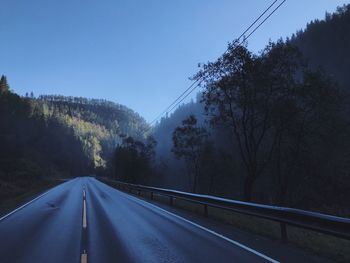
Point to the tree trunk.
(195, 181)
(282, 195)
(194, 185)
(248, 188)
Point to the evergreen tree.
(188, 144)
(4, 87)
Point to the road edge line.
(251, 250)
(28, 203)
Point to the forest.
(57, 137)
(271, 128)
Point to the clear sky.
(139, 53)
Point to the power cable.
(197, 82)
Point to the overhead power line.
(174, 102)
(191, 86)
(197, 82)
(262, 22)
(256, 20)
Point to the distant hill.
(115, 117)
(97, 123)
(57, 136)
(326, 43)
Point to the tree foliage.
(189, 142)
(326, 43)
(133, 160)
(262, 99)
(4, 87)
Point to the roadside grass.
(323, 245)
(334, 248)
(10, 202)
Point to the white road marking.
(205, 229)
(83, 258)
(22, 206)
(84, 215)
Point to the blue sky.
(137, 53)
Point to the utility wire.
(167, 109)
(197, 82)
(191, 86)
(262, 22)
(255, 21)
(195, 87)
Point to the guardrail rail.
(322, 223)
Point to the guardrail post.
(171, 201)
(284, 235)
(151, 195)
(206, 210)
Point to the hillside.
(97, 123)
(326, 43)
(57, 136)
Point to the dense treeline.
(268, 128)
(57, 136)
(97, 123)
(114, 117)
(326, 43)
(33, 147)
(132, 160)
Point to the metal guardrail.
(322, 223)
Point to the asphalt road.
(84, 220)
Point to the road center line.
(84, 215)
(83, 258)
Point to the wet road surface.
(84, 220)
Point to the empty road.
(84, 220)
